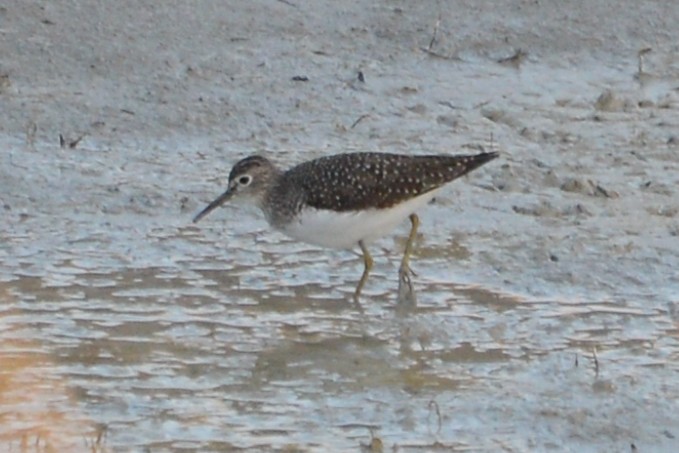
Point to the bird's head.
(249, 181)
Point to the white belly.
(344, 229)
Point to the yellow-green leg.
(368, 265)
(406, 294)
(414, 222)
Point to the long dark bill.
(223, 198)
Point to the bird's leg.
(405, 268)
(406, 294)
(368, 265)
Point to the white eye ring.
(245, 180)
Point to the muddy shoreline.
(547, 280)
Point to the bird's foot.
(357, 303)
(406, 293)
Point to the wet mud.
(547, 283)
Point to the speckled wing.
(357, 181)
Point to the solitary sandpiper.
(347, 199)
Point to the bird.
(346, 200)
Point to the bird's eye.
(244, 180)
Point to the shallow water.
(547, 284)
(210, 354)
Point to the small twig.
(448, 104)
(514, 60)
(640, 56)
(71, 144)
(436, 31)
(288, 3)
(102, 430)
(596, 362)
(75, 142)
(438, 414)
(438, 55)
(360, 118)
